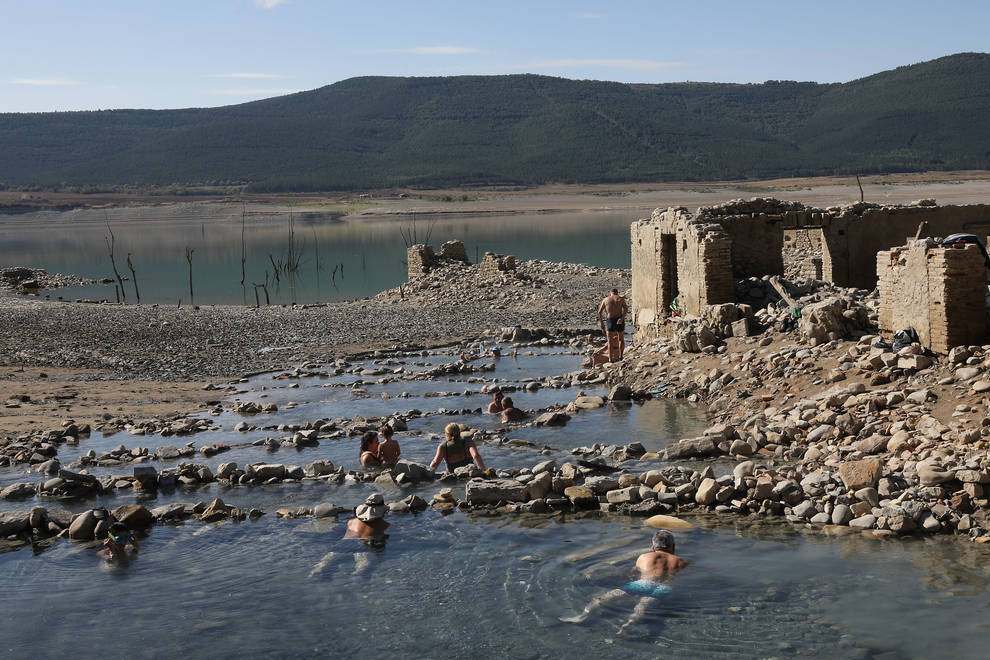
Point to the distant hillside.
(522, 129)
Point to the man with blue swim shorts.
(658, 563)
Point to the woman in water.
(369, 450)
(456, 451)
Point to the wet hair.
(507, 402)
(366, 440)
(497, 394)
(615, 291)
(663, 540)
(387, 431)
(452, 430)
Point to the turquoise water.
(474, 585)
(368, 255)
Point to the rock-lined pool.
(466, 584)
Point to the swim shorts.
(646, 588)
(615, 324)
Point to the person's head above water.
(507, 402)
(452, 431)
(368, 440)
(663, 540)
(373, 508)
(615, 292)
(497, 395)
(387, 431)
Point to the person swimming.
(659, 563)
(118, 538)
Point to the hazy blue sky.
(89, 54)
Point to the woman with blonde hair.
(456, 451)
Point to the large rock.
(667, 522)
(83, 526)
(860, 474)
(414, 471)
(620, 393)
(551, 419)
(623, 495)
(18, 491)
(932, 476)
(147, 477)
(134, 516)
(540, 486)
(267, 471)
(601, 484)
(478, 491)
(706, 492)
(692, 448)
(581, 496)
(589, 402)
(13, 522)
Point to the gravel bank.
(168, 343)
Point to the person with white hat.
(369, 519)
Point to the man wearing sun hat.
(369, 519)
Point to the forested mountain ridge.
(377, 132)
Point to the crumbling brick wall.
(454, 250)
(494, 265)
(802, 253)
(940, 292)
(420, 259)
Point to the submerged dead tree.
(189, 253)
(130, 265)
(113, 262)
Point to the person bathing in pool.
(660, 562)
(115, 545)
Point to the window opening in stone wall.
(668, 267)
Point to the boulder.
(146, 477)
(623, 495)
(18, 491)
(668, 522)
(691, 448)
(581, 497)
(493, 491)
(83, 526)
(620, 393)
(134, 516)
(551, 419)
(540, 486)
(13, 522)
(860, 474)
(414, 471)
(706, 492)
(601, 484)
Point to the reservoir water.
(356, 258)
(466, 584)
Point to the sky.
(60, 55)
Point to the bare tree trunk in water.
(189, 253)
(113, 262)
(130, 264)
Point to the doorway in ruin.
(668, 273)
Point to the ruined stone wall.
(853, 240)
(803, 254)
(645, 242)
(757, 244)
(494, 265)
(704, 267)
(940, 292)
(420, 259)
(454, 250)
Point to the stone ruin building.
(684, 262)
(421, 260)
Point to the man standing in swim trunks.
(612, 317)
(660, 562)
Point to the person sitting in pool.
(369, 519)
(388, 448)
(496, 405)
(660, 562)
(456, 451)
(369, 450)
(468, 357)
(118, 538)
(496, 352)
(510, 413)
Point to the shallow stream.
(471, 585)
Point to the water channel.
(356, 258)
(465, 584)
